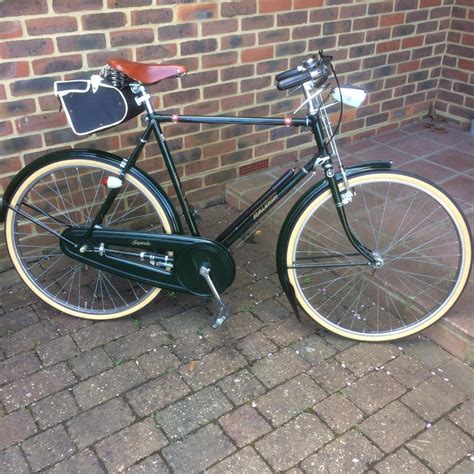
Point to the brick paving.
(162, 392)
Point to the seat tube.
(183, 201)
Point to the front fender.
(93, 155)
(294, 213)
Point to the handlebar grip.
(286, 74)
(294, 80)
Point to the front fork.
(339, 201)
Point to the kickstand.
(224, 309)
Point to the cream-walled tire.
(421, 239)
(69, 191)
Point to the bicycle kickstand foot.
(223, 312)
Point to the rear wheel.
(67, 194)
(421, 241)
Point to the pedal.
(222, 315)
(223, 312)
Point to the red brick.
(10, 29)
(129, 37)
(307, 31)
(292, 18)
(48, 26)
(352, 11)
(81, 42)
(5, 129)
(408, 66)
(36, 123)
(413, 42)
(33, 7)
(258, 22)
(100, 58)
(308, 3)
(342, 26)
(388, 46)
(14, 108)
(430, 3)
(58, 64)
(198, 47)
(220, 90)
(238, 41)
(219, 59)
(24, 48)
(256, 54)
(365, 23)
(467, 64)
(231, 103)
(219, 26)
(236, 72)
(128, 3)
(104, 21)
(173, 32)
(238, 8)
(197, 12)
(155, 16)
(14, 69)
(273, 36)
(67, 6)
(268, 6)
(392, 19)
(156, 51)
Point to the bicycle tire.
(418, 231)
(68, 192)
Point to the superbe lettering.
(146, 243)
(260, 211)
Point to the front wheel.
(422, 244)
(65, 194)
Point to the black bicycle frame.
(265, 202)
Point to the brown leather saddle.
(146, 73)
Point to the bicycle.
(367, 252)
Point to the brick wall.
(456, 85)
(408, 53)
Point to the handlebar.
(315, 69)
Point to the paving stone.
(289, 399)
(99, 422)
(199, 450)
(339, 413)
(313, 349)
(380, 427)
(460, 375)
(363, 358)
(136, 343)
(157, 394)
(57, 350)
(288, 330)
(374, 391)
(48, 448)
(192, 321)
(236, 327)
(255, 346)
(464, 467)
(192, 412)
(18, 366)
(407, 370)
(36, 386)
(157, 362)
(192, 347)
(244, 425)
(425, 351)
(27, 338)
(15, 320)
(154, 464)
(330, 375)
(339, 343)
(289, 444)
(12, 461)
(84, 462)
(245, 461)
(17, 296)
(130, 445)
(262, 290)
(54, 409)
(212, 367)
(351, 452)
(442, 445)
(103, 332)
(90, 363)
(108, 384)
(241, 387)
(433, 398)
(15, 428)
(270, 311)
(464, 417)
(62, 323)
(279, 367)
(401, 461)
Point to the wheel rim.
(424, 269)
(69, 193)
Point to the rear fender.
(94, 155)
